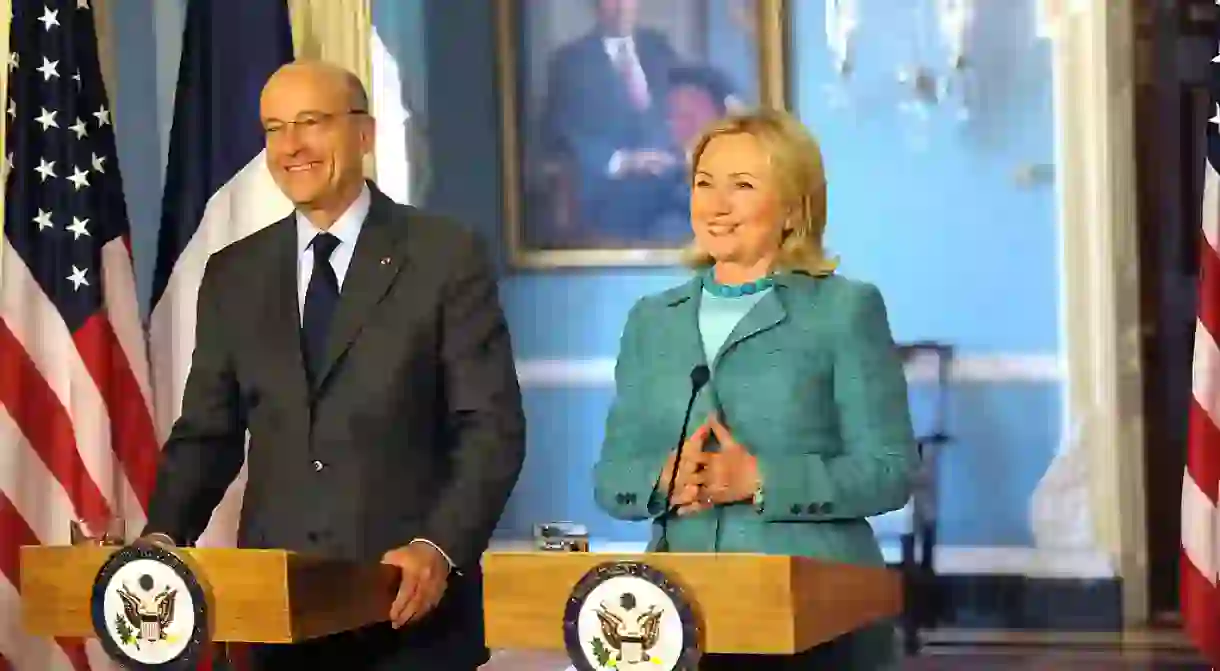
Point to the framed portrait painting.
(601, 101)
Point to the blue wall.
(141, 154)
(961, 252)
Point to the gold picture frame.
(764, 21)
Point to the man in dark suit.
(362, 345)
(605, 112)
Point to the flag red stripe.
(1199, 595)
(1200, 610)
(1204, 447)
(16, 533)
(1209, 288)
(45, 424)
(131, 431)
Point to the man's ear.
(368, 134)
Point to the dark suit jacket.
(415, 429)
(589, 116)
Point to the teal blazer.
(810, 381)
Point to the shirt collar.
(346, 227)
(615, 43)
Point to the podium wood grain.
(256, 596)
(746, 603)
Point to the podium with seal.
(157, 608)
(662, 611)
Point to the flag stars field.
(43, 220)
(77, 440)
(49, 17)
(47, 119)
(78, 228)
(79, 178)
(48, 68)
(45, 169)
(77, 278)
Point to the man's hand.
(425, 575)
(155, 539)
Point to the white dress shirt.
(346, 228)
(618, 48)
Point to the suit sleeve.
(627, 471)
(873, 474)
(569, 120)
(486, 421)
(206, 447)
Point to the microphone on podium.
(699, 375)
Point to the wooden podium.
(255, 596)
(744, 603)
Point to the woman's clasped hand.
(704, 479)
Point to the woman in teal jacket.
(803, 430)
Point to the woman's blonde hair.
(796, 165)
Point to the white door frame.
(1093, 69)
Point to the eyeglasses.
(308, 122)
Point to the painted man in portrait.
(606, 117)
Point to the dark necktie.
(320, 300)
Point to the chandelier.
(938, 74)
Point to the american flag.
(1200, 566)
(77, 440)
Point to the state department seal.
(149, 610)
(629, 616)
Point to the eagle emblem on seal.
(630, 635)
(148, 615)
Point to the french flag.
(217, 188)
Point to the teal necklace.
(735, 290)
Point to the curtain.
(339, 32)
